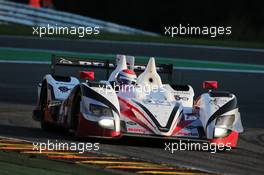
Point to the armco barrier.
(11, 12)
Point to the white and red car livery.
(148, 108)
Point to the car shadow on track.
(37, 134)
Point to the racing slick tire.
(46, 126)
(75, 112)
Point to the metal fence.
(16, 13)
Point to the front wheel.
(43, 105)
(75, 111)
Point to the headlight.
(221, 132)
(107, 123)
(225, 120)
(98, 110)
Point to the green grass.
(12, 163)
(18, 30)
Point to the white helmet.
(126, 76)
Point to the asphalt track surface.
(18, 95)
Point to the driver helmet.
(126, 77)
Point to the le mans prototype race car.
(150, 108)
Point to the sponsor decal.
(136, 130)
(85, 63)
(64, 61)
(190, 117)
(131, 123)
(63, 89)
(177, 97)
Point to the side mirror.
(86, 75)
(210, 85)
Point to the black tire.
(43, 103)
(75, 111)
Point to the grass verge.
(23, 164)
(19, 30)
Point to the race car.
(133, 101)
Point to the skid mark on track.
(124, 164)
(103, 162)
(46, 153)
(76, 157)
(170, 172)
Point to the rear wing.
(108, 65)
